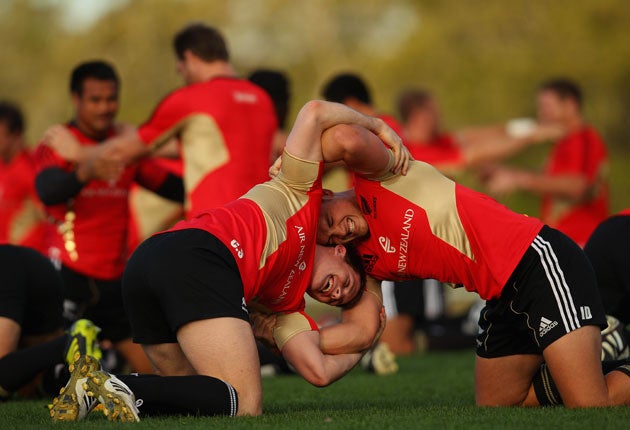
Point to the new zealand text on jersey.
(404, 240)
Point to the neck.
(96, 135)
(11, 151)
(213, 70)
(418, 134)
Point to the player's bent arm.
(303, 353)
(317, 116)
(360, 324)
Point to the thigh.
(574, 363)
(505, 381)
(224, 348)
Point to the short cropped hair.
(97, 69)
(202, 40)
(564, 88)
(276, 84)
(346, 85)
(11, 115)
(410, 100)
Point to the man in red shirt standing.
(573, 185)
(225, 125)
(89, 216)
(21, 212)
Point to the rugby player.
(540, 338)
(187, 290)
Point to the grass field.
(432, 391)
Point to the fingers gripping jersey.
(271, 232)
(423, 225)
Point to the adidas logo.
(545, 326)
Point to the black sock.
(182, 395)
(546, 391)
(20, 367)
(610, 365)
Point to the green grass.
(431, 391)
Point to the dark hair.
(202, 40)
(97, 69)
(353, 258)
(12, 116)
(410, 100)
(276, 84)
(346, 85)
(564, 88)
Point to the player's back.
(236, 155)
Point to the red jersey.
(271, 232)
(423, 225)
(580, 153)
(439, 151)
(226, 128)
(21, 212)
(101, 216)
(625, 212)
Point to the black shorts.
(97, 300)
(178, 277)
(31, 291)
(551, 292)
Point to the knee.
(249, 402)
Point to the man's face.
(334, 281)
(96, 106)
(7, 139)
(551, 108)
(340, 221)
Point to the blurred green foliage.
(482, 58)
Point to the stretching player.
(187, 289)
(543, 314)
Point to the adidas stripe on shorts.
(552, 292)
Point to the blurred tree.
(483, 59)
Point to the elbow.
(319, 380)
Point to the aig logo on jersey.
(237, 248)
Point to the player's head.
(94, 86)
(558, 100)
(340, 219)
(276, 84)
(11, 128)
(346, 86)
(338, 276)
(198, 43)
(417, 108)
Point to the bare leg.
(135, 356)
(168, 359)
(225, 348)
(506, 381)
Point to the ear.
(340, 250)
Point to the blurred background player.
(90, 216)
(277, 85)
(351, 90)
(225, 125)
(422, 303)
(21, 212)
(573, 185)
